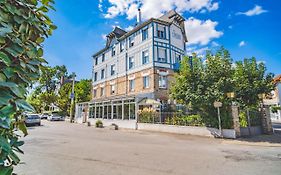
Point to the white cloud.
(199, 51)
(242, 43)
(257, 10)
(215, 44)
(155, 8)
(104, 36)
(230, 27)
(201, 32)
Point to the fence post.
(235, 118)
(266, 120)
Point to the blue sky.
(245, 27)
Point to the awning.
(147, 102)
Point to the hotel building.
(135, 67)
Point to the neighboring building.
(275, 98)
(135, 66)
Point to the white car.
(44, 116)
(32, 119)
(55, 117)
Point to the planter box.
(255, 130)
(229, 133)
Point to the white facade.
(164, 42)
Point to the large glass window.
(177, 58)
(102, 91)
(126, 111)
(132, 111)
(162, 81)
(112, 69)
(112, 89)
(122, 45)
(95, 76)
(113, 51)
(161, 32)
(119, 111)
(103, 57)
(162, 56)
(131, 62)
(146, 82)
(145, 57)
(131, 41)
(102, 74)
(144, 34)
(131, 85)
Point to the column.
(266, 120)
(235, 118)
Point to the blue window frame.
(145, 57)
(144, 34)
(131, 62)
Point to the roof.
(165, 19)
(148, 101)
(277, 78)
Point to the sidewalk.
(273, 140)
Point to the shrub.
(147, 115)
(99, 124)
(190, 120)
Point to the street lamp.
(230, 95)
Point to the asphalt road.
(59, 148)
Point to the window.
(131, 41)
(122, 46)
(162, 55)
(131, 62)
(102, 57)
(102, 91)
(161, 32)
(112, 69)
(178, 58)
(144, 34)
(145, 57)
(95, 93)
(95, 76)
(112, 89)
(113, 51)
(102, 74)
(131, 85)
(96, 60)
(162, 81)
(146, 82)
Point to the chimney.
(139, 17)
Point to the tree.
(251, 80)
(82, 91)
(23, 27)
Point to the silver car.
(32, 119)
(55, 117)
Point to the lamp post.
(72, 98)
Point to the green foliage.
(250, 80)
(275, 109)
(200, 83)
(147, 115)
(82, 91)
(23, 27)
(190, 120)
(99, 124)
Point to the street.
(58, 148)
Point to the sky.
(246, 28)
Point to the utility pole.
(72, 98)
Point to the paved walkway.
(59, 148)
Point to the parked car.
(55, 117)
(32, 119)
(44, 116)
